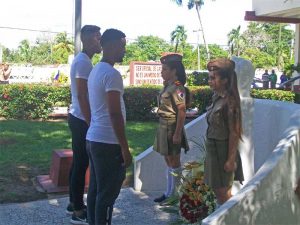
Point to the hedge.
(273, 94)
(27, 101)
(23, 101)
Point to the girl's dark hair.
(181, 77)
(225, 69)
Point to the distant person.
(224, 118)
(107, 144)
(79, 120)
(5, 71)
(273, 79)
(283, 77)
(265, 79)
(170, 136)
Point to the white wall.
(271, 119)
(149, 166)
(36, 74)
(269, 197)
(262, 7)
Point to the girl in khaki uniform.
(223, 163)
(172, 100)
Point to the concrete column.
(1, 54)
(77, 24)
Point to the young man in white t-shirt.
(79, 120)
(106, 140)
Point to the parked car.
(287, 85)
(257, 83)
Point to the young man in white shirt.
(79, 120)
(106, 140)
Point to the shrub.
(140, 101)
(62, 79)
(197, 78)
(19, 101)
(273, 94)
(201, 97)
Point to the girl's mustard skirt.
(216, 156)
(164, 138)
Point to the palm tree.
(62, 48)
(197, 5)
(25, 51)
(62, 41)
(179, 36)
(235, 41)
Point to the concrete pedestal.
(58, 179)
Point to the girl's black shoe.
(161, 198)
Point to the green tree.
(146, 48)
(217, 52)
(255, 36)
(134, 53)
(259, 59)
(10, 55)
(63, 47)
(235, 41)
(190, 57)
(197, 5)
(24, 51)
(179, 36)
(41, 52)
(280, 39)
(267, 44)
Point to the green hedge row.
(26, 101)
(23, 101)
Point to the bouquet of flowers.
(195, 199)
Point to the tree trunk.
(201, 28)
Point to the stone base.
(58, 179)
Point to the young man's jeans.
(80, 162)
(106, 177)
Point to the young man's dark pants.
(80, 162)
(106, 177)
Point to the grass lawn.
(26, 149)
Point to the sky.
(133, 17)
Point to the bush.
(30, 101)
(62, 79)
(140, 101)
(19, 101)
(273, 94)
(201, 97)
(197, 79)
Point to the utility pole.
(198, 48)
(1, 53)
(77, 26)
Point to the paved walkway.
(131, 208)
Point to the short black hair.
(111, 35)
(88, 30)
